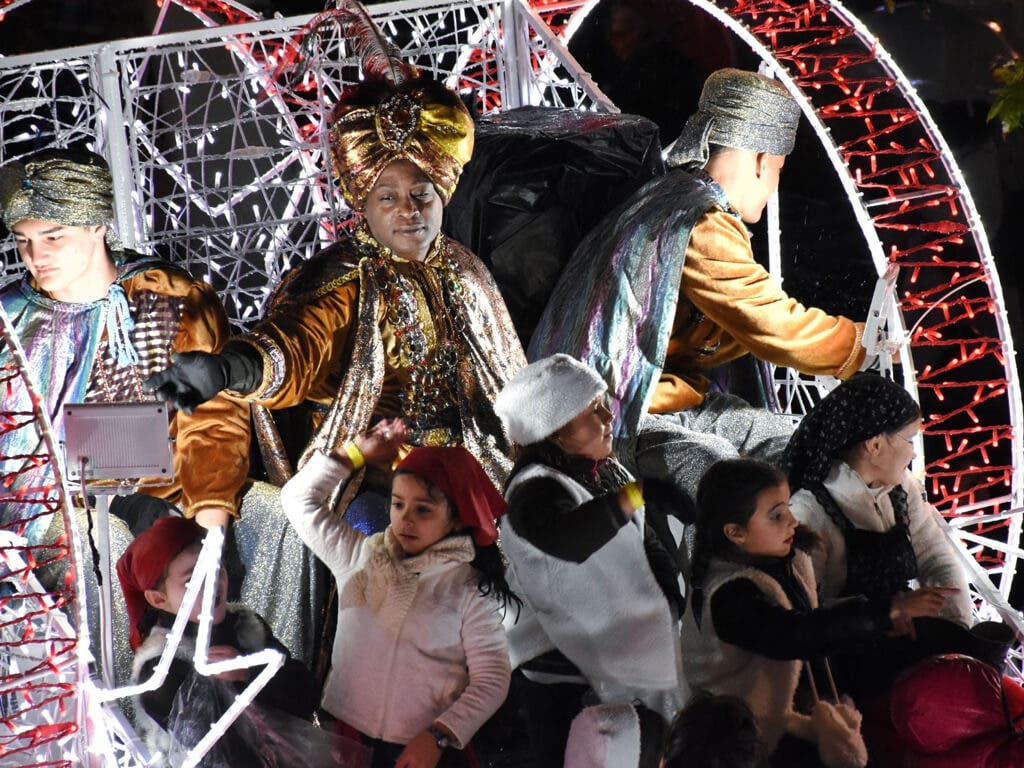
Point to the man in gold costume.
(395, 319)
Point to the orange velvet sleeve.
(722, 280)
(211, 452)
(302, 345)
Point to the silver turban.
(738, 109)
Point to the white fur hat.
(545, 396)
(604, 736)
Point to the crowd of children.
(577, 619)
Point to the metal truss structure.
(221, 167)
(45, 657)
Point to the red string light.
(40, 711)
(920, 217)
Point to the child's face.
(589, 434)
(769, 531)
(418, 520)
(179, 572)
(895, 452)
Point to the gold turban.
(70, 188)
(420, 121)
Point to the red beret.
(461, 478)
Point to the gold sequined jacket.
(364, 334)
(174, 313)
(69, 354)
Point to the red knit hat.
(461, 478)
(145, 561)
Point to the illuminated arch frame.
(793, 40)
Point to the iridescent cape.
(615, 302)
(60, 341)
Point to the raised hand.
(381, 443)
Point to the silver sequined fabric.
(283, 582)
(738, 109)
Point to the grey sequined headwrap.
(70, 188)
(738, 109)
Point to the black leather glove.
(195, 377)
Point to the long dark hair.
(598, 477)
(727, 494)
(544, 452)
(488, 561)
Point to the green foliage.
(1009, 104)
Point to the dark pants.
(792, 752)
(873, 669)
(549, 709)
(385, 753)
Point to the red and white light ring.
(905, 191)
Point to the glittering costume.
(430, 341)
(72, 360)
(358, 333)
(101, 351)
(666, 287)
(364, 334)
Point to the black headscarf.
(861, 407)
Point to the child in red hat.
(420, 660)
(154, 572)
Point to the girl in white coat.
(600, 593)
(420, 660)
(877, 533)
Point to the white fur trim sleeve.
(483, 639)
(306, 502)
(829, 552)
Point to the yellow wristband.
(636, 498)
(354, 455)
